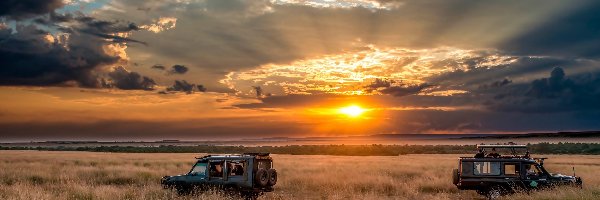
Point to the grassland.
(92, 175)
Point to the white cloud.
(161, 24)
(370, 4)
(346, 73)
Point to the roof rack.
(203, 157)
(231, 155)
(512, 146)
(257, 153)
(508, 146)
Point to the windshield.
(199, 169)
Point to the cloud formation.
(557, 93)
(126, 80)
(412, 62)
(178, 69)
(63, 49)
(184, 86)
(175, 69)
(570, 34)
(395, 88)
(158, 67)
(19, 9)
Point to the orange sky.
(137, 69)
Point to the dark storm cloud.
(395, 88)
(125, 80)
(184, 86)
(18, 9)
(473, 76)
(557, 93)
(573, 33)
(178, 69)
(89, 25)
(28, 58)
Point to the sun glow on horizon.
(352, 111)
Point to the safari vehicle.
(493, 175)
(248, 174)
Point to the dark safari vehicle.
(248, 174)
(493, 175)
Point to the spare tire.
(455, 176)
(261, 177)
(272, 176)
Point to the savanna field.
(90, 175)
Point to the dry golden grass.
(86, 175)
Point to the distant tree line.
(345, 150)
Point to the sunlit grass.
(86, 175)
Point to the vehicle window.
(236, 167)
(511, 169)
(264, 164)
(199, 169)
(486, 168)
(467, 168)
(532, 170)
(216, 169)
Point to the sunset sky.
(230, 69)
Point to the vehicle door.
(198, 173)
(236, 172)
(534, 177)
(512, 174)
(216, 169)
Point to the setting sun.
(352, 111)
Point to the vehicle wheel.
(272, 176)
(455, 176)
(494, 192)
(262, 177)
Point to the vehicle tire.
(262, 177)
(495, 192)
(455, 176)
(272, 177)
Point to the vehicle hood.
(564, 177)
(172, 178)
